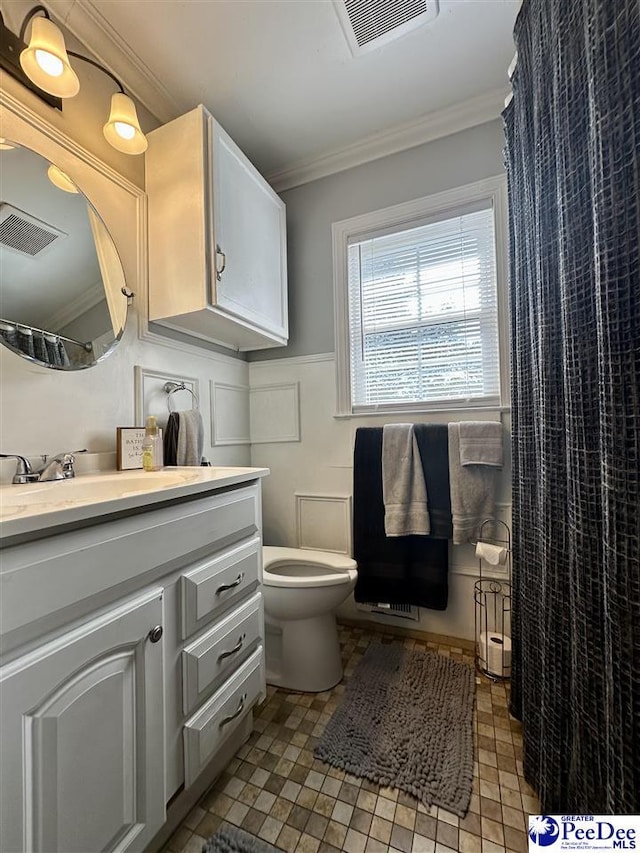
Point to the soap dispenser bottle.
(151, 446)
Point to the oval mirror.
(62, 303)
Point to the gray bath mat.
(230, 839)
(406, 721)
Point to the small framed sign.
(129, 447)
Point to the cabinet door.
(249, 228)
(82, 737)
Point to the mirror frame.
(119, 203)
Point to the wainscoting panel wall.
(152, 399)
(320, 464)
(323, 522)
(275, 413)
(229, 413)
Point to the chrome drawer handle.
(232, 651)
(226, 586)
(237, 713)
(224, 263)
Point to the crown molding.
(432, 126)
(90, 27)
(292, 360)
(68, 313)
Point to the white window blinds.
(423, 315)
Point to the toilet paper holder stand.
(492, 611)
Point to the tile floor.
(276, 790)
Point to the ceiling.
(279, 74)
(38, 290)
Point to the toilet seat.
(301, 567)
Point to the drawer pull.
(226, 586)
(237, 713)
(232, 651)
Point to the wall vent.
(399, 611)
(368, 24)
(25, 234)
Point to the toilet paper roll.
(495, 653)
(496, 555)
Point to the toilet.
(302, 589)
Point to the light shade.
(61, 180)
(4, 145)
(122, 130)
(45, 60)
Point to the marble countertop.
(36, 509)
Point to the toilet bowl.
(302, 588)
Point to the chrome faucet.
(24, 471)
(58, 467)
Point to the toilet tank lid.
(274, 554)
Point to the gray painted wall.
(311, 208)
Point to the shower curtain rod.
(88, 346)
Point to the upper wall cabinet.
(217, 247)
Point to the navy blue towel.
(394, 570)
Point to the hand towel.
(397, 569)
(473, 490)
(481, 443)
(170, 441)
(403, 489)
(433, 444)
(190, 438)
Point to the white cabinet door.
(249, 229)
(217, 238)
(82, 737)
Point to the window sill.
(417, 412)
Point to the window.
(417, 304)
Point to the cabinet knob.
(155, 634)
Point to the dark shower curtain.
(573, 143)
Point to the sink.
(32, 510)
(89, 488)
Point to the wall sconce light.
(61, 180)
(43, 66)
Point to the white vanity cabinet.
(217, 238)
(131, 655)
(82, 723)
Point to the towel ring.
(171, 388)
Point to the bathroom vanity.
(131, 625)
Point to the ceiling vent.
(369, 24)
(24, 233)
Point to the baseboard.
(411, 633)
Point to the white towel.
(190, 438)
(403, 488)
(473, 491)
(481, 443)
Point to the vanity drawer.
(207, 730)
(220, 650)
(212, 584)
